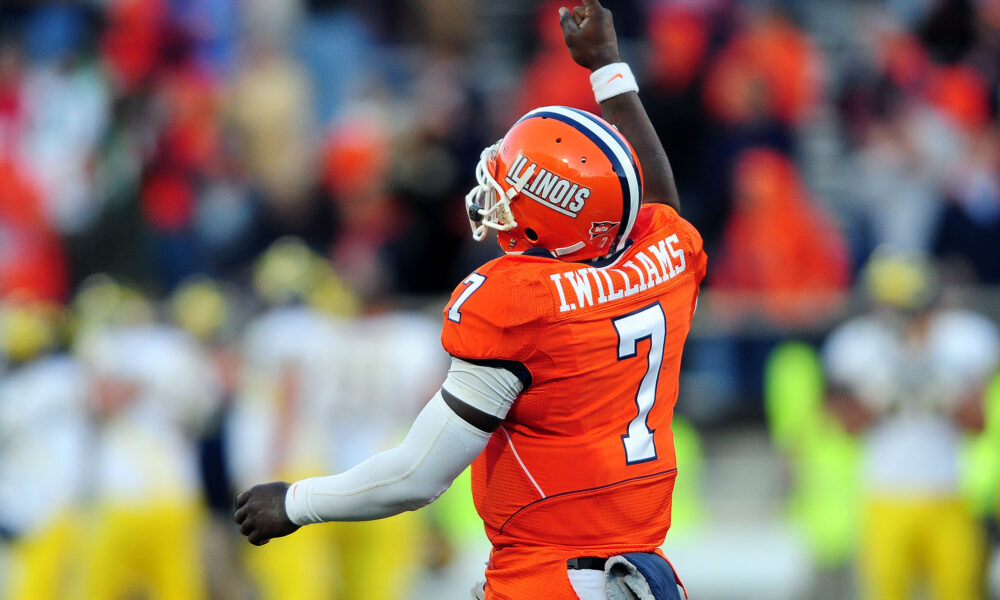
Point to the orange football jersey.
(583, 464)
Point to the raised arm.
(590, 36)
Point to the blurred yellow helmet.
(29, 328)
(903, 280)
(101, 300)
(331, 295)
(290, 271)
(201, 306)
(284, 272)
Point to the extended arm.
(448, 434)
(590, 36)
(439, 446)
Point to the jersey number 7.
(646, 323)
(472, 283)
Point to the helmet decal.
(599, 228)
(617, 151)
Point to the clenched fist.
(590, 35)
(261, 514)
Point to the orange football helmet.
(563, 180)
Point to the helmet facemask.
(488, 204)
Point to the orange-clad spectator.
(133, 40)
(779, 244)
(167, 200)
(902, 57)
(678, 38)
(192, 135)
(31, 258)
(356, 156)
(771, 70)
(961, 94)
(355, 166)
(551, 77)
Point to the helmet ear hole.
(531, 234)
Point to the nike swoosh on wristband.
(617, 76)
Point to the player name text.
(647, 268)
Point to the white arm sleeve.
(439, 446)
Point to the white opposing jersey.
(279, 426)
(391, 368)
(44, 441)
(146, 450)
(913, 386)
(321, 394)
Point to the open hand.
(590, 35)
(261, 514)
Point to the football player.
(44, 433)
(566, 354)
(152, 392)
(277, 428)
(911, 378)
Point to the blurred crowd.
(227, 228)
(156, 139)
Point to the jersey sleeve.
(496, 313)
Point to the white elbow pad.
(489, 389)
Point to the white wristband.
(612, 80)
(297, 502)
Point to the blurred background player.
(910, 378)
(154, 388)
(44, 451)
(391, 365)
(322, 387)
(279, 424)
(211, 311)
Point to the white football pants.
(587, 583)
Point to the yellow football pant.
(374, 560)
(908, 542)
(153, 551)
(42, 564)
(295, 567)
